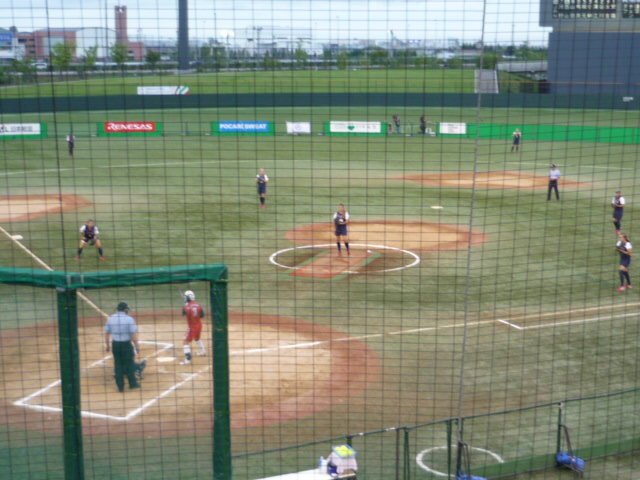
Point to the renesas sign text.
(129, 127)
(253, 127)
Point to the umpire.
(122, 330)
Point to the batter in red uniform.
(194, 313)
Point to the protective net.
(426, 210)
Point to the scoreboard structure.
(607, 14)
(593, 46)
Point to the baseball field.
(466, 295)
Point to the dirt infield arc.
(488, 180)
(281, 369)
(406, 235)
(17, 208)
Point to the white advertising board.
(164, 90)
(20, 129)
(453, 128)
(355, 127)
(299, 128)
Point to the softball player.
(89, 234)
(517, 136)
(71, 143)
(262, 179)
(626, 249)
(341, 220)
(617, 203)
(194, 313)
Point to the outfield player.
(554, 176)
(194, 313)
(341, 220)
(121, 337)
(89, 234)
(71, 143)
(617, 203)
(626, 249)
(517, 136)
(261, 180)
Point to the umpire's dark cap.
(553, 165)
(122, 307)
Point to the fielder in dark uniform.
(341, 220)
(122, 331)
(618, 203)
(517, 136)
(71, 143)
(261, 180)
(626, 249)
(89, 234)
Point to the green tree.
(327, 57)
(301, 56)
(489, 61)
(343, 61)
(90, 57)
(455, 62)
(379, 56)
(152, 58)
(25, 68)
(119, 54)
(61, 55)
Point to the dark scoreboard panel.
(603, 14)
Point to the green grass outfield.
(178, 200)
(382, 81)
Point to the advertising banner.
(23, 130)
(125, 129)
(164, 90)
(447, 128)
(355, 128)
(238, 127)
(299, 128)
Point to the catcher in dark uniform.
(341, 220)
(89, 234)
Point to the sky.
(325, 21)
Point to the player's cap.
(618, 191)
(122, 306)
(553, 165)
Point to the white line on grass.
(14, 239)
(517, 327)
(582, 320)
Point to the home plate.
(17, 237)
(166, 359)
(437, 207)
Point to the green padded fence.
(67, 286)
(550, 133)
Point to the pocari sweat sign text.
(236, 127)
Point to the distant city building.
(135, 49)
(40, 43)
(10, 48)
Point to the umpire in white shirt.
(121, 336)
(554, 176)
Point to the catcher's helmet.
(189, 296)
